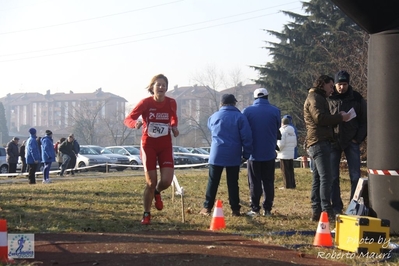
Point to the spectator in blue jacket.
(48, 155)
(32, 155)
(231, 145)
(265, 121)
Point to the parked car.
(3, 161)
(193, 158)
(177, 159)
(130, 151)
(208, 149)
(89, 157)
(200, 152)
(120, 159)
(54, 166)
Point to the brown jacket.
(317, 117)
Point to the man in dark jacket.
(76, 150)
(66, 148)
(348, 136)
(12, 155)
(319, 135)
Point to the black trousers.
(12, 167)
(261, 179)
(232, 176)
(32, 173)
(287, 169)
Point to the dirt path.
(163, 248)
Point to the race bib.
(156, 130)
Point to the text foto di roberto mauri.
(385, 244)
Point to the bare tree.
(86, 115)
(117, 132)
(195, 112)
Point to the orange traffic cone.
(323, 235)
(4, 242)
(217, 222)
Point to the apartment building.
(59, 111)
(196, 103)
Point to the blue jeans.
(352, 154)
(232, 175)
(322, 178)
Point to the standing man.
(319, 134)
(296, 154)
(48, 155)
(12, 155)
(231, 144)
(66, 149)
(32, 154)
(23, 157)
(286, 152)
(348, 136)
(265, 121)
(76, 150)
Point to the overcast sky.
(118, 45)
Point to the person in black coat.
(22, 155)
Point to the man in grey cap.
(12, 155)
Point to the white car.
(130, 151)
(3, 161)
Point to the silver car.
(129, 151)
(120, 159)
(89, 159)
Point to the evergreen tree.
(323, 41)
(4, 137)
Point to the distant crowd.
(38, 152)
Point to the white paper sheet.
(352, 114)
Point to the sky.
(119, 45)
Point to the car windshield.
(181, 149)
(86, 150)
(106, 151)
(96, 148)
(202, 151)
(132, 150)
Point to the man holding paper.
(347, 135)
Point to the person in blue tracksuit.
(231, 145)
(265, 121)
(32, 154)
(48, 155)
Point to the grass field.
(112, 202)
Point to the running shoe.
(253, 213)
(146, 219)
(158, 202)
(205, 212)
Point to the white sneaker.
(46, 181)
(252, 213)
